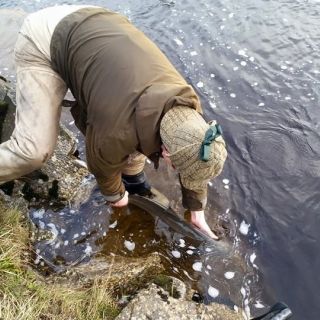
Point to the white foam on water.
(113, 225)
(283, 67)
(233, 95)
(225, 181)
(212, 105)
(235, 308)
(193, 53)
(229, 275)
(259, 305)
(129, 245)
(231, 15)
(197, 266)
(222, 27)
(242, 53)
(251, 59)
(244, 228)
(200, 84)
(208, 249)
(88, 250)
(261, 104)
(38, 214)
(178, 42)
(190, 252)
(243, 63)
(213, 292)
(76, 235)
(176, 254)
(210, 184)
(209, 267)
(57, 245)
(66, 243)
(182, 243)
(287, 98)
(83, 233)
(226, 186)
(235, 68)
(192, 247)
(212, 75)
(62, 231)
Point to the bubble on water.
(206, 272)
(222, 27)
(129, 245)
(244, 228)
(176, 254)
(243, 63)
(251, 59)
(225, 181)
(182, 243)
(212, 75)
(261, 104)
(208, 249)
(287, 98)
(38, 214)
(5, 69)
(200, 84)
(178, 42)
(231, 15)
(259, 305)
(232, 95)
(235, 68)
(66, 243)
(193, 53)
(253, 257)
(83, 233)
(209, 267)
(192, 247)
(62, 231)
(197, 266)
(190, 252)
(213, 292)
(88, 250)
(114, 224)
(212, 105)
(283, 67)
(229, 275)
(226, 186)
(57, 245)
(76, 235)
(71, 123)
(61, 213)
(242, 53)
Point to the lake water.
(255, 65)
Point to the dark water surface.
(255, 65)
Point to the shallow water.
(255, 65)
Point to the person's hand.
(122, 202)
(198, 219)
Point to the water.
(255, 65)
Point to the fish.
(159, 207)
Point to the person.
(131, 103)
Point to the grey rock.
(155, 303)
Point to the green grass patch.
(25, 296)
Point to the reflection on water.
(255, 65)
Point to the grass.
(25, 296)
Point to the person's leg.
(39, 94)
(134, 177)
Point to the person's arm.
(196, 203)
(106, 159)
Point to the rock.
(155, 303)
